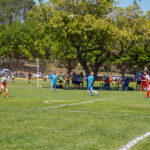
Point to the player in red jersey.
(145, 78)
(4, 81)
(148, 88)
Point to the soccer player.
(145, 78)
(148, 88)
(53, 78)
(91, 84)
(4, 81)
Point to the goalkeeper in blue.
(91, 84)
(53, 79)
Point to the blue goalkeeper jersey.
(90, 80)
(53, 79)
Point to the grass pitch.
(102, 125)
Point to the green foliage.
(14, 10)
(92, 33)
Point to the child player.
(53, 78)
(148, 89)
(4, 81)
(91, 84)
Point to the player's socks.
(90, 93)
(147, 94)
(6, 96)
(95, 92)
(55, 89)
(0, 93)
(51, 89)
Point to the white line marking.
(63, 105)
(135, 141)
(103, 113)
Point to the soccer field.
(35, 119)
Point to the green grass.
(121, 117)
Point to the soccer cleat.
(6, 96)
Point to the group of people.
(143, 81)
(76, 81)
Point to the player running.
(145, 78)
(91, 84)
(4, 81)
(53, 78)
(148, 89)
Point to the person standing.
(74, 79)
(82, 78)
(60, 78)
(91, 84)
(29, 77)
(13, 77)
(138, 80)
(67, 78)
(78, 81)
(53, 79)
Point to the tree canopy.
(89, 32)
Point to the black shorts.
(74, 82)
(138, 82)
(78, 82)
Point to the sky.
(144, 4)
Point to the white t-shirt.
(4, 79)
(147, 77)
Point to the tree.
(86, 27)
(135, 25)
(65, 54)
(14, 10)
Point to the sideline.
(135, 141)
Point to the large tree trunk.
(82, 61)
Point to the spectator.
(138, 80)
(13, 77)
(29, 77)
(126, 84)
(44, 77)
(74, 79)
(78, 82)
(107, 84)
(67, 78)
(60, 78)
(82, 78)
